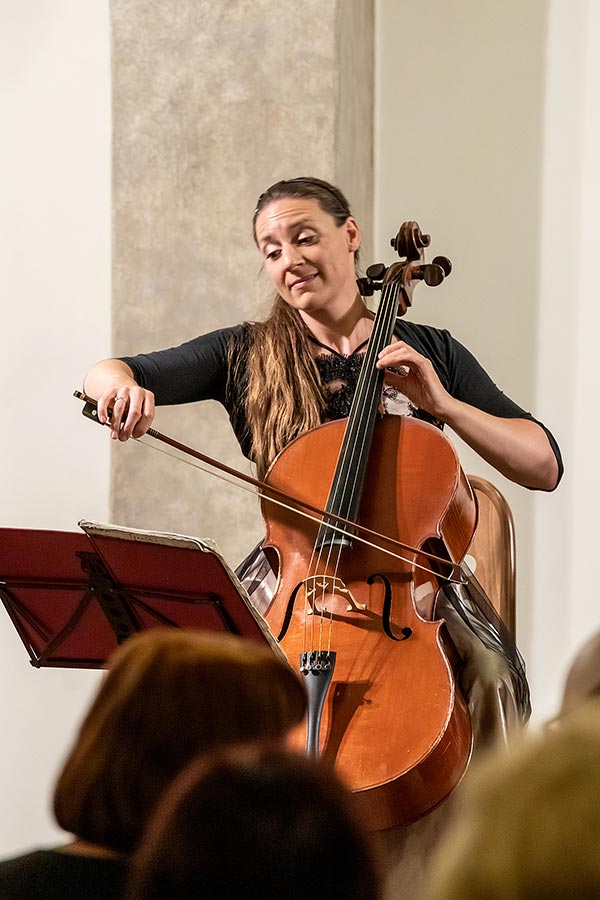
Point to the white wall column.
(55, 247)
(487, 132)
(566, 608)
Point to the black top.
(55, 875)
(200, 370)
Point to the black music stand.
(74, 597)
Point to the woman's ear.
(352, 233)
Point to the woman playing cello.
(299, 368)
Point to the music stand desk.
(74, 597)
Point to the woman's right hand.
(127, 407)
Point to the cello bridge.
(323, 589)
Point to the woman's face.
(309, 258)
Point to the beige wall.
(566, 609)
(459, 148)
(486, 130)
(207, 113)
(56, 266)
(205, 117)
(55, 247)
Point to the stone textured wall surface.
(212, 102)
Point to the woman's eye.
(307, 239)
(272, 254)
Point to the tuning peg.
(433, 274)
(376, 271)
(444, 262)
(366, 287)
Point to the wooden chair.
(492, 552)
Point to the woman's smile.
(302, 282)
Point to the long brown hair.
(283, 396)
(170, 695)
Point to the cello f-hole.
(386, 611)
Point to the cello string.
(324, 582)
(363, 401)
(349, 448)
(382, 328)
(335, 575)
(313, 578)
(306, 613)
(317, 610)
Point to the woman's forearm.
(518, 448)
(106, 374)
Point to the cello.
(384, 708)
(383, 704)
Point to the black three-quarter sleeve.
(199, 370)
(195, 370)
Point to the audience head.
(169, 695)
(246, 824)
(529, 822)
(583, 678)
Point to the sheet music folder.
(74, 597)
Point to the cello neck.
(348, 482)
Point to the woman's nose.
(292, 256)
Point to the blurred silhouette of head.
(269, 827)
(169, 695)
(529, 822)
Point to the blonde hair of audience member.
(169, 696)
(583, 678)
(529, 822)
(265, 826)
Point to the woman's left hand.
(420, 382)
(518, 448)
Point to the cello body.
(393, 723)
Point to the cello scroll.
(410, 244)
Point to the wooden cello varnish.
(393, 723)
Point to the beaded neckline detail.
(339, 374)
(339, 377)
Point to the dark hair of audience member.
(169, 695)
(269, 827)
